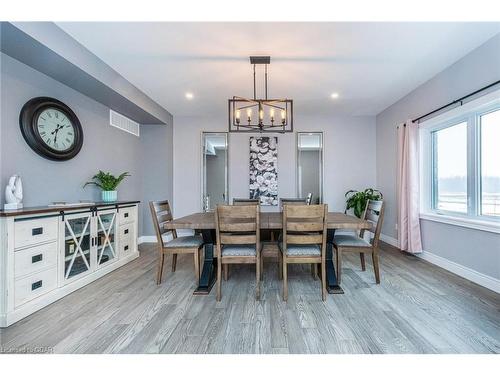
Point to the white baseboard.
(465, 272)
(146, 239)
(458, 269)
(390, 240)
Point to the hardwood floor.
(417, 308)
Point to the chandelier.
(260, 115)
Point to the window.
(450, 168)
(460, 162)
(490, 163)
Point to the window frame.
(470, 113)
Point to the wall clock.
(51, 128)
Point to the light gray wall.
(477, 69)
(148, 158)
(157, 168)
(349, 153)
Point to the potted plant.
(108, 183)
(357, 199)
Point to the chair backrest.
(161, 214)
(309, 198)
(304, 225)
(245, 202)
(292, 201)
(374, 213)
(237, 225)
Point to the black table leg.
(332, 286)
(209, 270)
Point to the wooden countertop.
(46, 209)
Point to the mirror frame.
(203, 167)
(321, 160)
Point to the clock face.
(51, 128)
(55, 129)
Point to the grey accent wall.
(148, 158)
(349, 158)
(157, 168)
(475, 70)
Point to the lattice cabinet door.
(106, 237)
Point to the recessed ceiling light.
(334, 95)
(189, 95)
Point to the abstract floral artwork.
(264, 170)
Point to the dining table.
(204, 223)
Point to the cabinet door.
(78, 246)
(106, 237)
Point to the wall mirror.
(214, 179)
(310, 166)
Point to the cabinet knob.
(36, 258)
(37, 231)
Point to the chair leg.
(280, 267)
(285, 281)
(159, 273)
(362, 257)
(376, 265)
(314, 271)
(257, 278)
(323, 280)
(197, 264)
(261, 267)
(174, 262)
(226, 271)
(339, 265)
(219, 277)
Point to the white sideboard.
(49, 252)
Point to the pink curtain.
(408, 188)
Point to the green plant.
(106, 181)
(357, 199)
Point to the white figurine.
(14, 194)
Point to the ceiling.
(370, 65)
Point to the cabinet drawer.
(127, 215)
(34, 286)
(126, 246)
(35, 231)
(33, 259)
(126, 232)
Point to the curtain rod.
(459, 100)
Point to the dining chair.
(161, 214)
(240, 202)
(238, 239)
(304, 240)
(353, 243)
(245, 201)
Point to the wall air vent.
(123, 123)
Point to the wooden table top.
(268, 220)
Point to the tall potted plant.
(357, 199)
(108, 183)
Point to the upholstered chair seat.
(350, 240)
(185, 241)
(302, 250)
(238, 250)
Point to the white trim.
(390, 240)
(469, 223)
(147, 239)
(465, 272)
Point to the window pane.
(450, 168)
(490, 164)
